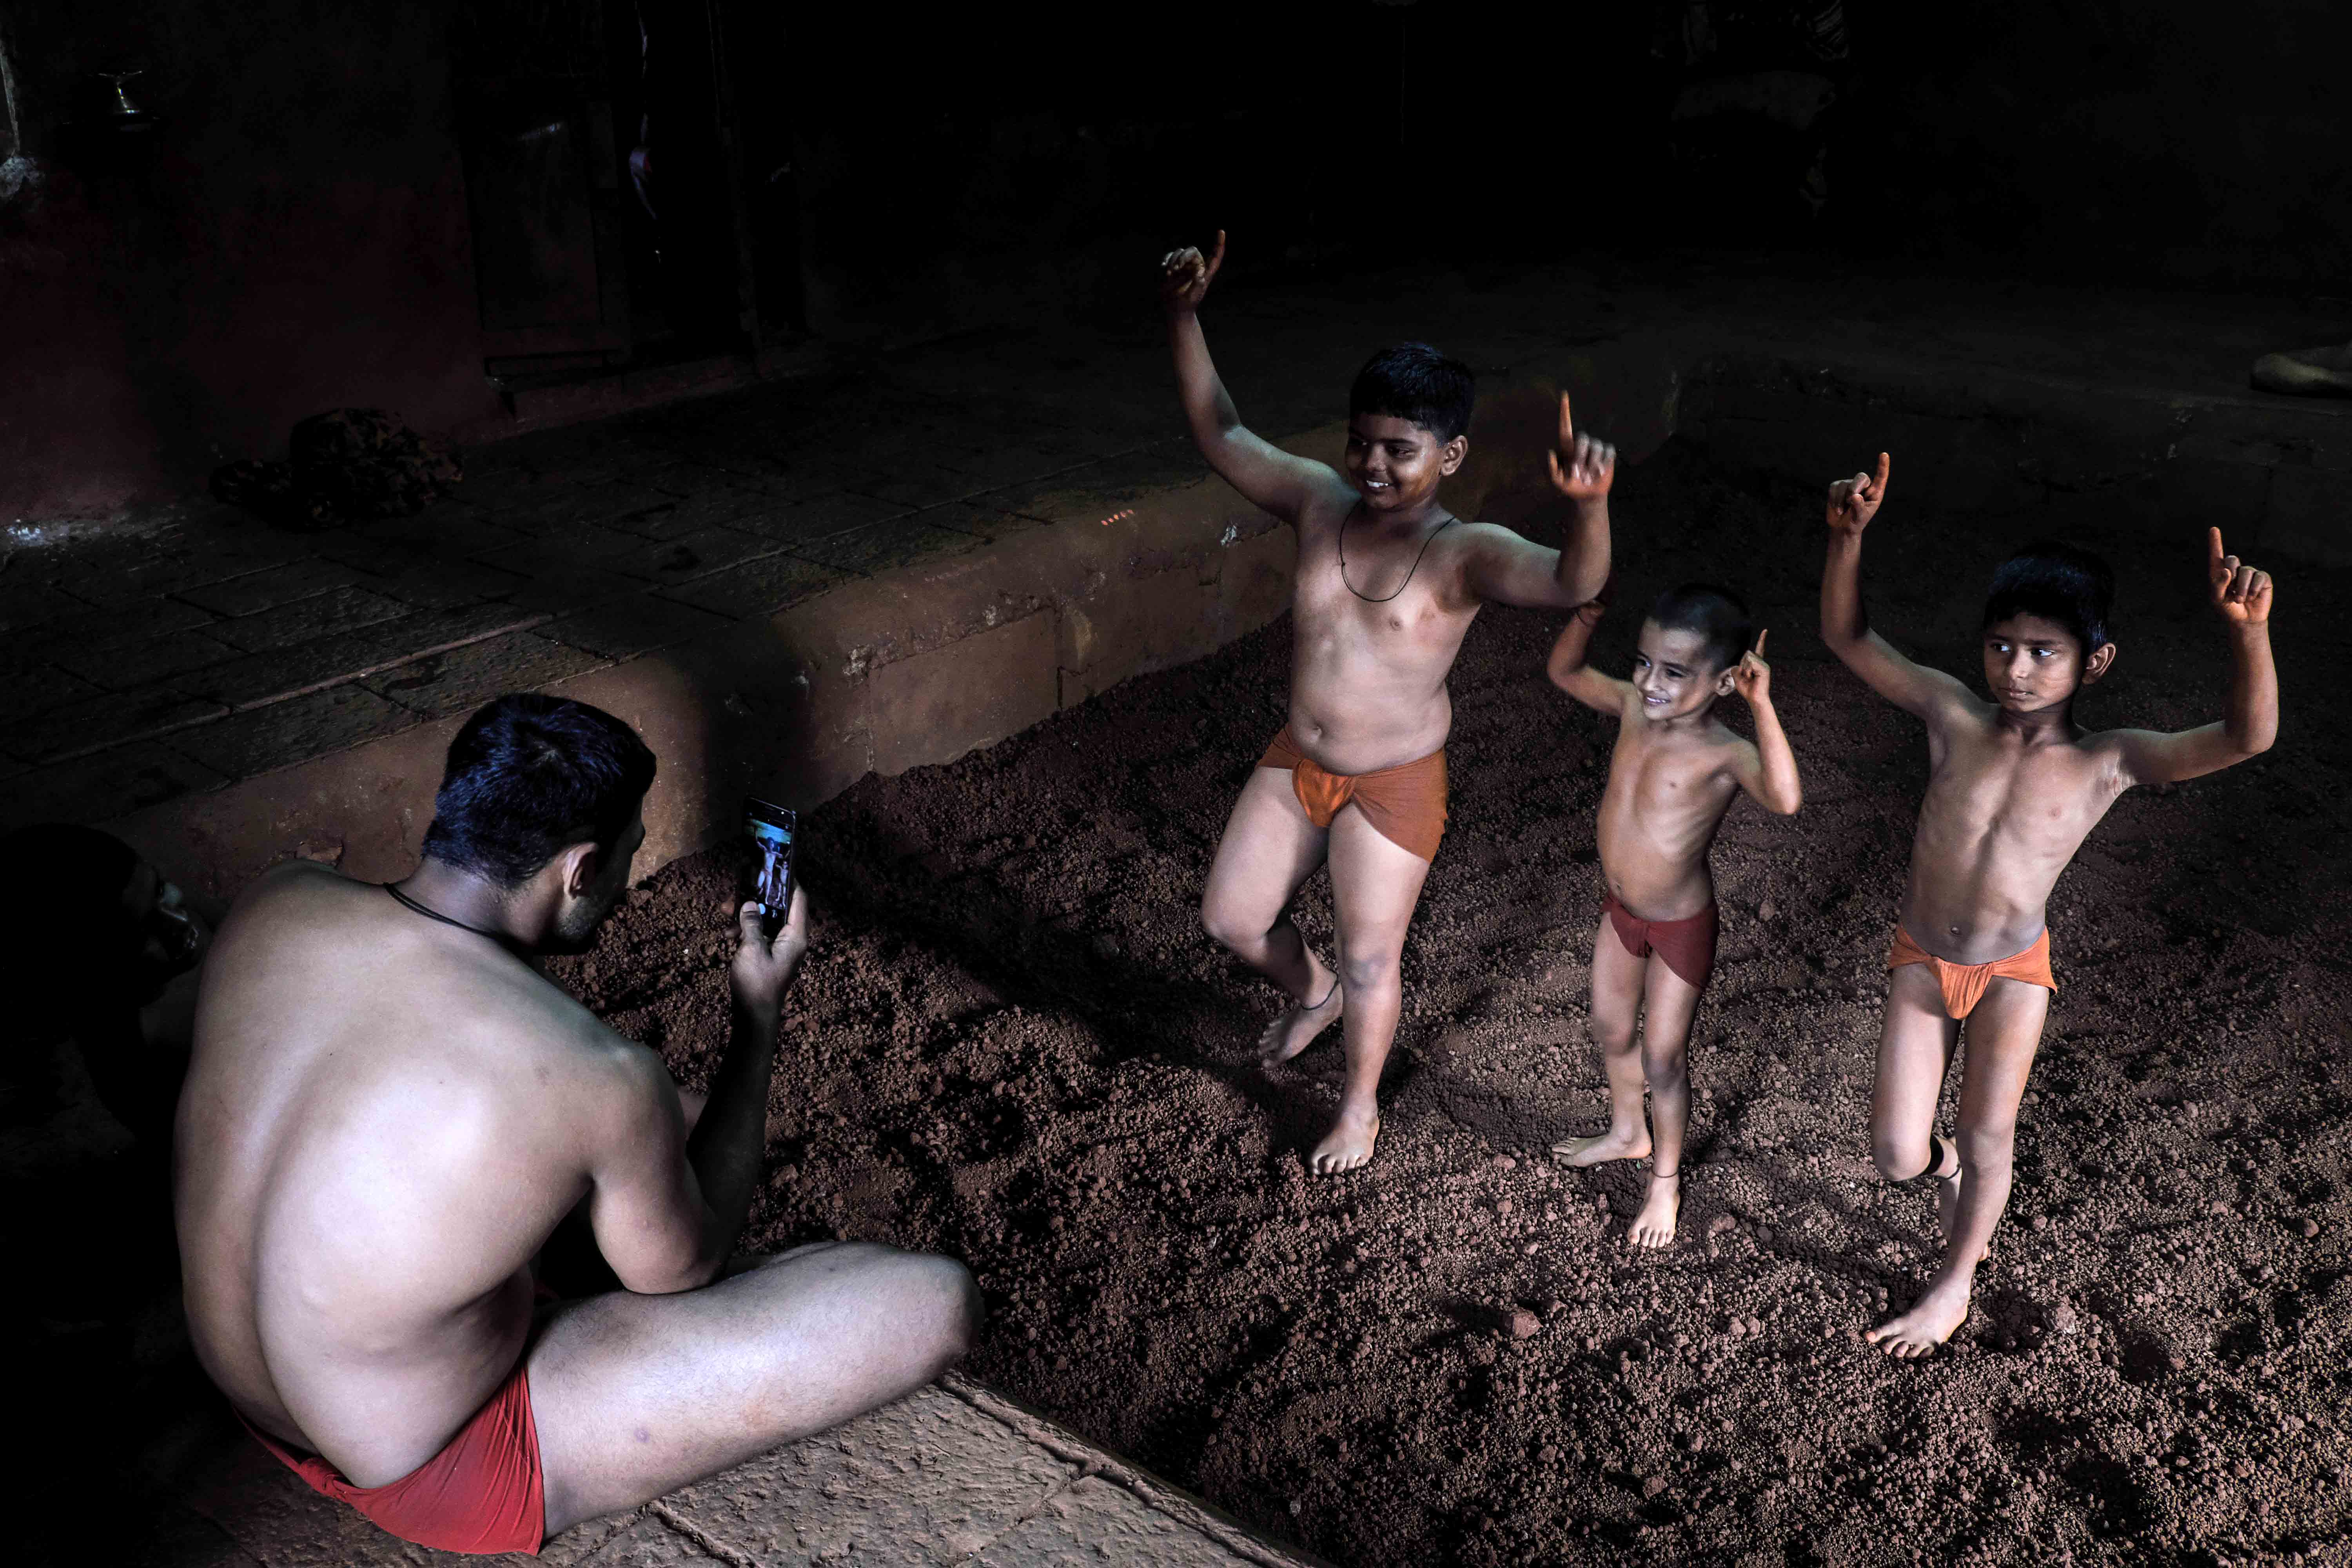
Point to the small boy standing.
(1674, 774)
(2014, 786)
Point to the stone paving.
(952, 1475)
(152, 657)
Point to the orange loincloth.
(482, 1492)
(1405, 804)
(1964, 983)
(1688, 945)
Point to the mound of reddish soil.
(1013, 1043)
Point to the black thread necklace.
(431, 914)
(1401, 587)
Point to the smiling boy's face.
(1673, 672)
(1396, 464)
(2032, 663)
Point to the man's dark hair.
(1717, 615)
(1414, 381)
(2058, 581)
(531, 774)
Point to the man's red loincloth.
(482, 1492)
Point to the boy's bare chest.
(1380, 599)
(1668, 779)
(2043, 799)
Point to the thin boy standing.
(2014, 786)
(1675, 772)
(1387, 582)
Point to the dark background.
(390, 202)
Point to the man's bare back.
(391, 1111)
(383, 1124)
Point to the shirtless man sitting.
(1387, 582)
(391, 1109)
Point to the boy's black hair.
(2059, 582)
(1414, 381)
(1718, 614)
(531, 774)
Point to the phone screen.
(769, 866)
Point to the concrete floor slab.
(953, 1474)
(1097, 1521)
(929, 1480)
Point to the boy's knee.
(1369, 971)
(1898, 1159)
(1664, 1064)
(1613, 1036)
(1225, 929)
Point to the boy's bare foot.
(1296, 1028)
(1612, 1144)
(1349, 1144)
(1654, 1226)
(1932, 1319)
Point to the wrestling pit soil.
(1011, 1042)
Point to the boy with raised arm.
(1675, 774)
(1387, 583)
(2014, 786)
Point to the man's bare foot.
(1609, 1145)
(1296, 1028)
(1654, 1226)
(1348, 1145)
(1942, 1308)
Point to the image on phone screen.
(773, 829)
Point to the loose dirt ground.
(1011, 1042)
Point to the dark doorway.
(607, 185)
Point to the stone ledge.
(953, 1474)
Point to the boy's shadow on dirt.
(892, 884)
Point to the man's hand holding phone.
(764, 965)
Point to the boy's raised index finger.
(1218, 260)
(1878, 483)
(1567, 423)
(1759, 641)
(2213, 548)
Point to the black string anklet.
(1318, 1007)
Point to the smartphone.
(775, 831)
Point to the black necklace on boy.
(1401, 587)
